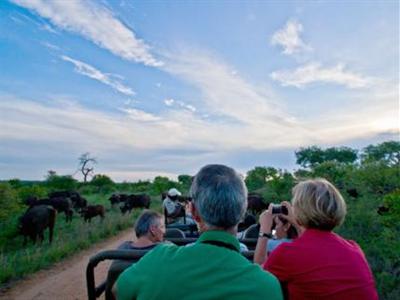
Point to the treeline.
(368, 178)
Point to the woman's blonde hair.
(318, 204)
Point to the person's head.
(173, 194)
(219, 197)
(283, 229)
(318, 204)
(151, 225)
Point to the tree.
(162, 184)
(185, 181)
(102, 182)
(60, 182)
(86, 163)
(312, 156)
(387, 152)
(257, 177)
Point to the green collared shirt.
(198, 271)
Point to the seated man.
(212, 268)
(149, 229)
(175, 212)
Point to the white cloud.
(49, 28)
(92, 72)
(169, 102)
(172, 102)
(97, 24)
(139, 115)
(51, 46)
(314, 72)
(289, 38)
(225, 94)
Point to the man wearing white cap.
(171, 204)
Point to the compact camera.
(279, 209)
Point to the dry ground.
(67, 279)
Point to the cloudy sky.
(163, 87)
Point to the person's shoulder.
(264, 279)
(125, 245)
(165, 247)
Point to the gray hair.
(147, 219)
(219, 195)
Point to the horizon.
(161, 89)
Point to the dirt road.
(65, 280)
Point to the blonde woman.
(319, 264)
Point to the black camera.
(279, 209)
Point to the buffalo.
(92, 211)
(114, 199)
(135, 201)
(35, 220)
(60, 204)
(249, 219)
(78, 202)
(255, 203)
(352, 192)
(118, 198)
(382, 210)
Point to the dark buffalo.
(136, 201)
(78, 202)
(118, 198)
(382, 210)
(352, 192)
(35, 220)
(249, 219)
(60, 204)
(114, 199)
(92, 211)
(255, 203)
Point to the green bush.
(9, 202)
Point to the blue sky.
(163, 87)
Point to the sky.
(161, 88)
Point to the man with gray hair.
(149, 230)
(211, 268)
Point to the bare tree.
(86, 163)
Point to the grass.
(69, 238)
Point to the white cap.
(174, 192)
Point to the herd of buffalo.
(41, 213)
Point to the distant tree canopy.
(60, 182)
(387, 152)
(162, 184)
(257, 177)
(102, 182)
(310, 157)
(185, 181)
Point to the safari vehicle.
(124, 258)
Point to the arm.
(260, 253)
